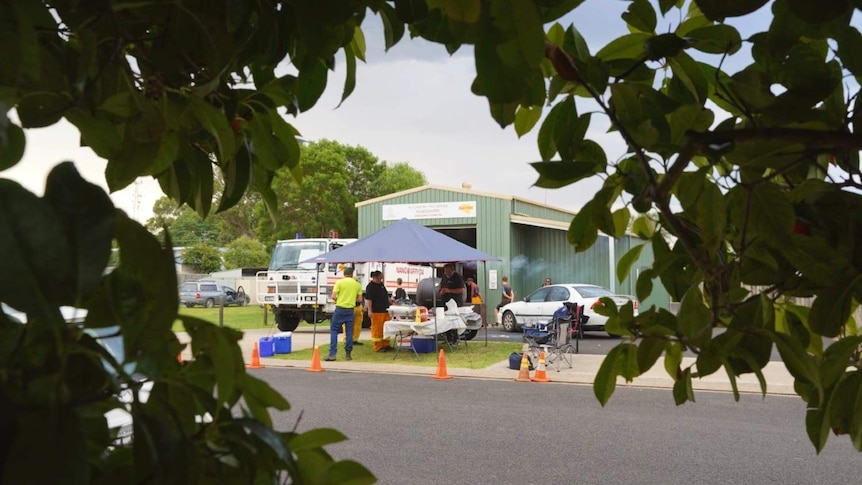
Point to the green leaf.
(673, 361)
(87, 216)
(12, 143)
(237, 175)
(316, 438)
(624, 265)
(821, 11)
(582, 232)
(694, 317)
(770, 213)
(461, 10)
(121, 104)
(664, 46)
(411, 11)
(842, 412)
(35, 249)
(831, 308)
(393, 28)
(682, 388)
(643, 287)
(97, 132)
(553, 175)
(311, 83)
(215, 123)
(621, 219)
(349, 471)
(817, 426)
(41, 109)
(640, 16)
(606, 378)
(715, 39)
(835, 359)
(526, 118)
(644, 227)
(629, 46)
(526, 42)
(800, 365)
(721, 9)
(350, 74)
(666, 5)
(649, 350)
(688, 71)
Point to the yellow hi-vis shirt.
(347, 291)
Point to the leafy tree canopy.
(334, 178)
(204, 257)
(762, 163)
(245, 252)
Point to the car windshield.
(593, 291)
(288, 254)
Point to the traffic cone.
(441, 367)
(255, 359)
(524, 373)
(315, 361)
(541, 376)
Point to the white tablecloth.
(392, 327)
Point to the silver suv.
(208, 294)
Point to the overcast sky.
(411, 105)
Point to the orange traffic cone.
(315, 361)
(541, 376)
(255, 359)
(524, 373)
(441, 367)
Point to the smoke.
(522, 264)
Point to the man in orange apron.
(377, 302)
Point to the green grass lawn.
(476, 355)
(240, 318)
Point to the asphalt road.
(417, 430)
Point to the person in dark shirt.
(400, 294)
(377, 302)
(451, 286)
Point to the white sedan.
(541, 304)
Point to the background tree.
(763, 161)
(334, 178)
(204, 257)
(245, 252)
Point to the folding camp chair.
(574, 316)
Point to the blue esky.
(412, 104)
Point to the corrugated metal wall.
(529, 254)
(491, 224)
(539, 253)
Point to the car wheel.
(286, 322)
(510, 324)
(241, 302)
(189, 305)
(209, 303)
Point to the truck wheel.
(209, 303)
(286, 322)
(189, 305)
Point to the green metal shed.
(529, 238)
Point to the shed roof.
(461, 191)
